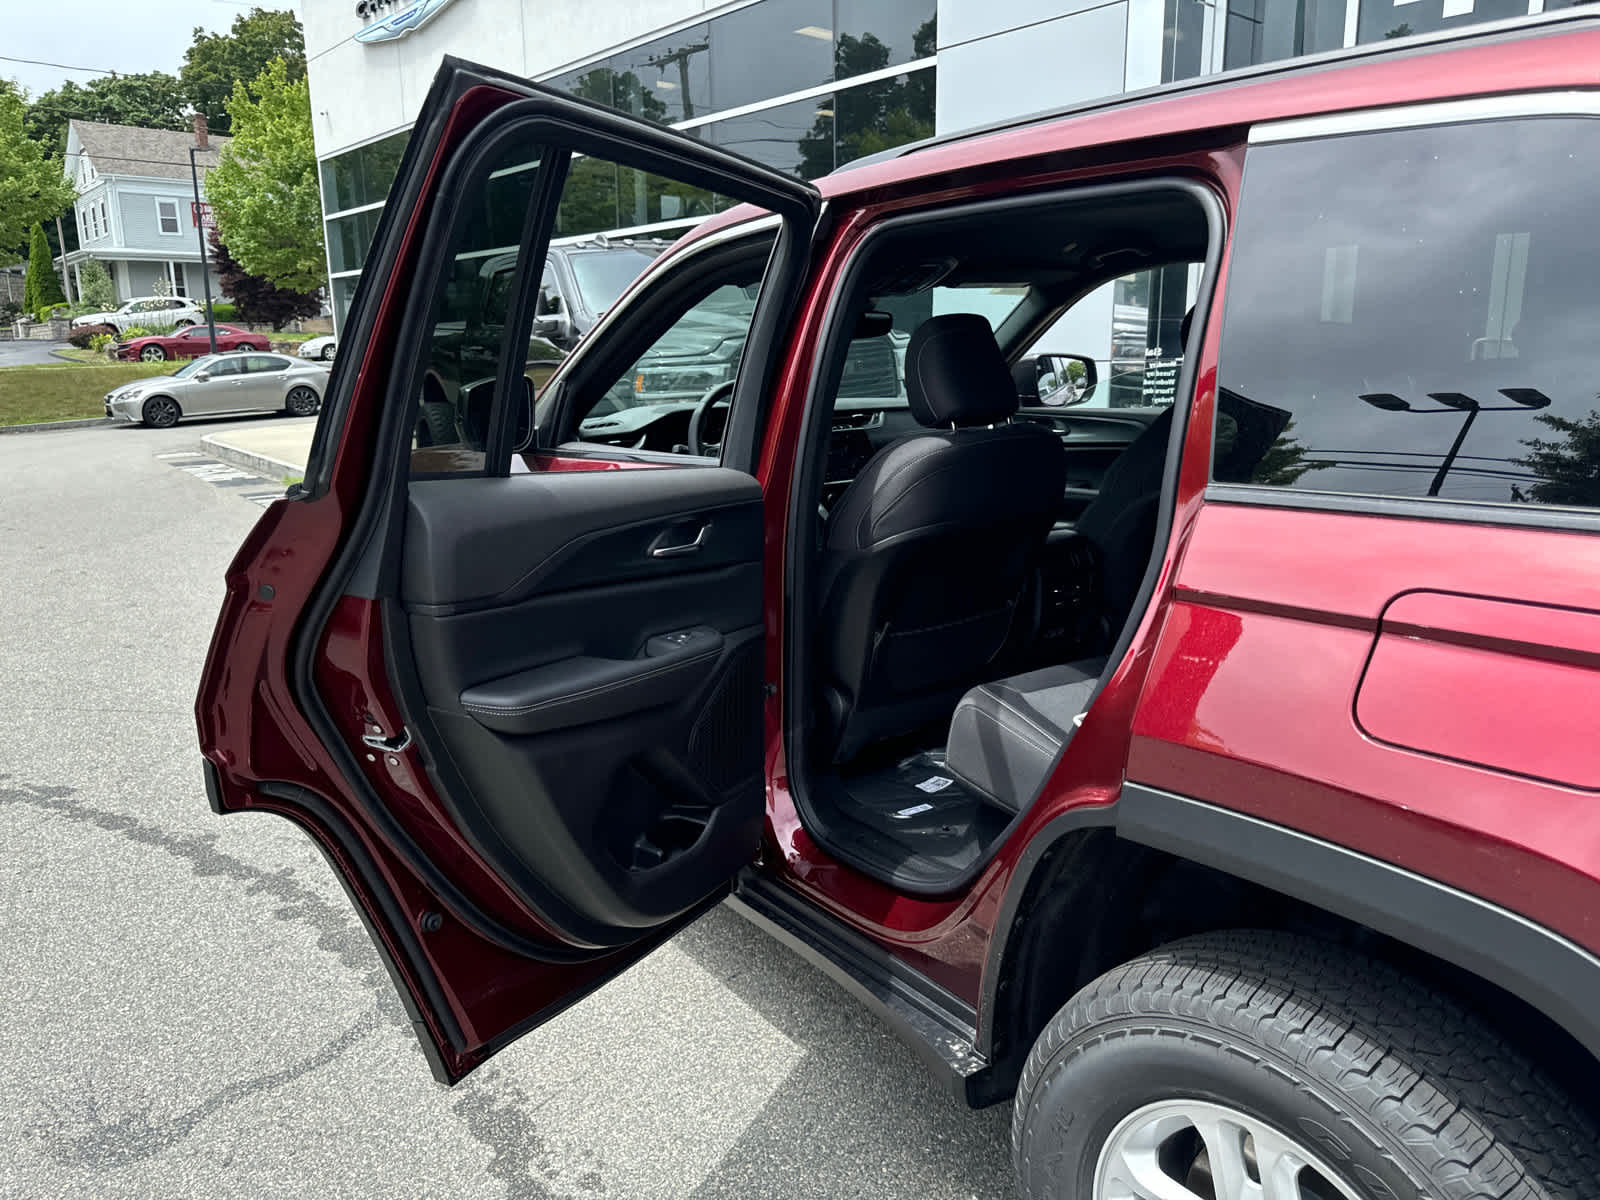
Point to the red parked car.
(1215, 774)
(190, 343)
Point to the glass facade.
(757, 55)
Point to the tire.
(302, 402)
(152, 354)
(160, 412)
(1383, 1088)
(327, 353)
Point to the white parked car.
(220, 384)
(322, 348)
(152, 312)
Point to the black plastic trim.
(1516, 516)
(935, 1023)
(816, 423)
(1550, 972)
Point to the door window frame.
(802, 566)
(603, 135)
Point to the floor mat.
(923, 809)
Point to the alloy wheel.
(153, 354)
(160, 412)
(302, 401)
(1197, 1150)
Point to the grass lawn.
(65, 392)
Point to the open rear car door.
(516, 700)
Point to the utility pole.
(202, 141)
(66, 275)
(681, 58)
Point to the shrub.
(100, 341)
(136, 331)
(223, 311)
(99, 293)
(83, 336)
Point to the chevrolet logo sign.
(407, 18)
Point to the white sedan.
(220, 385)
(152, 312)
(322, 348)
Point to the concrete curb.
(46, 426)
(248, 460)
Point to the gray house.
(135, 204)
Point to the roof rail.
(1506, 29)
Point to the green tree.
(264, 189)
(216, 62)
(1285, 462)
(870, 117)
(41, 287)
(1568, 470)
(33, 187)
(98, 290)
(150, 101)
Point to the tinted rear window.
(1417, 313)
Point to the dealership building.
(806, 86)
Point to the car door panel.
(541, 735)
(594, 739)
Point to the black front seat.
(928, 550)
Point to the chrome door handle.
(659, 551)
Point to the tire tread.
(1479, 1119)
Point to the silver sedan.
(219, 385)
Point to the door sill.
(939, 1026)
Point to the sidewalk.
(274, 449)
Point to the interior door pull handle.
(659, 551)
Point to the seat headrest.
(956, 375)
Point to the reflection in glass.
(1268, 30)
(1462, 358)
(1183, 40)
(363, 175)
(1381, 19)
(350, 237)
(770, 49)
(601, 195)
(666, 80)
(775, 136)
(342, 292)
(904, 29)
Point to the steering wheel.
(714, 396)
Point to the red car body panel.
(229, 338)
(1243, 593)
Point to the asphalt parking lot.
(192, 1009)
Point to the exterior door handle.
(657, 550)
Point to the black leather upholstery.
(1121, 520)
(956, 375)
(929, 548)
(1005, 735)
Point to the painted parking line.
(246, 484)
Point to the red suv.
(1213, 768)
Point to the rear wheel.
(152, 354)
(160, 412)
(327, 353)
(302, 402)
(1258, 1066)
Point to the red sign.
(200, 214)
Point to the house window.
(167, 215)
(105, 224)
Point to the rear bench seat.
(1005, 734)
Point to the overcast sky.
(106, 35)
